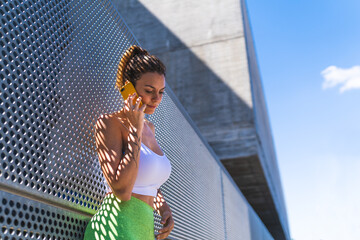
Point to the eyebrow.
(154, 88)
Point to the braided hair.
(135, 62)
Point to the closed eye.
(151, 92)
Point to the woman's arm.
(159, 202)
(164, 211)
(120, 169)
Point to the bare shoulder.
(111, 122)
(108, 119)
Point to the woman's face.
(151, 87)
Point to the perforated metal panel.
(194, 189)
(23, 218)
(58, 65)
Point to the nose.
(156, 97)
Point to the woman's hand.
(167, 220)
(134, 114)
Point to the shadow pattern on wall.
(58, 69)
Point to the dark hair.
(135, 62)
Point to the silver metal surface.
(22, 218)
(57, 69)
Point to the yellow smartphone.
(127, 89)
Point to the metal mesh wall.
(58, 65)
(23, 218)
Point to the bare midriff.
(145, 198)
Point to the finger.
(163, 220)
(165, 217)
(126, 104)
(168, 226)
(137, 103)
(162, 235)
(130, 96)
(158, 236)
(164, 230)
(142, 108)
(130, 99)
(127, 101)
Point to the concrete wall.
(267, 153)
(203, 46)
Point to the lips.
(151, 106)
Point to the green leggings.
(128, 220)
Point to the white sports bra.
(153, 171)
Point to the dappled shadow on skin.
(111, 158)
(119, 218)
(159, 201)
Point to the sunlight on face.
(151, 87)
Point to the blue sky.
(303, 46)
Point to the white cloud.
(347, 78)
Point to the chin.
(149, 111)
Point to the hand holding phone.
(129, 89)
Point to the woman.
(132, 162)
